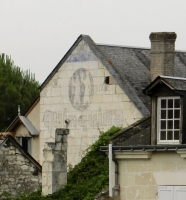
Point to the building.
(92, 88)
(149, 155)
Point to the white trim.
(133, 155)
(159, 109)
(173, 77)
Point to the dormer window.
(168, 118)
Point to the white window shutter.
(166, 193)
(179, 192)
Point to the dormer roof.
(26, 122)
(173, 83)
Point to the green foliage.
(16, 88)
(90, 176)
(86, 179)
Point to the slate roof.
(136, 134)
(174, 83)
(32, 130)
(128, 65)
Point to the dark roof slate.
(137, 133)
(128, 65)
(174, 83)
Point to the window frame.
(29, 142)
(159, 119)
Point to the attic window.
(109, 80)
(169, 115)
(25, 142)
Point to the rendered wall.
(139, 178)
(33, 116)
(16, 172)
(78, 92)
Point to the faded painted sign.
(81, 89)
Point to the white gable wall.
(78, 93)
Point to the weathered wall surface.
(33, 116)
(54, 169)
(16, 172)
(78, 92)
(139, 178)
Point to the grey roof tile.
(129, 66)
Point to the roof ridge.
(123, 46)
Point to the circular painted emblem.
(81, 89)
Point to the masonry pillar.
(54, 168)
(162, 54)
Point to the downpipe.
(113, 192)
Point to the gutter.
(177, 147)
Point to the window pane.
(176, 124)
(163, 124)
(170, 114)
(177, 103)
(170, 103)
(170, 124)
(176, 135)
(169, 135)
(177, 114)
(163, 103)
(163, 135)
(163, 114)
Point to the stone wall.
(17, 172)
(80, 93)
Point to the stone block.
(168, 165)
(47, 166)
(117, 98)
(55, 92)
(97, 73)
(11, 152)
(144, 179)
(127, 179)
(107, 73)
(24, 167)
(151, 192)
(47, 100)
(137, 166)
(118, 90)
(111, 90)
(135, 192)
(93, 65)
(62, 178)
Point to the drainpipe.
(116, 186)
(110, 170)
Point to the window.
(169, 114)
(25, 142)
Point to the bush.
(86, 179)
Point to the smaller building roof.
(24, 120)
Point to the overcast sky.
(37, 33)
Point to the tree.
(16, 88)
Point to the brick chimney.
(162, 54)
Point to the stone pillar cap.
(162, 36)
